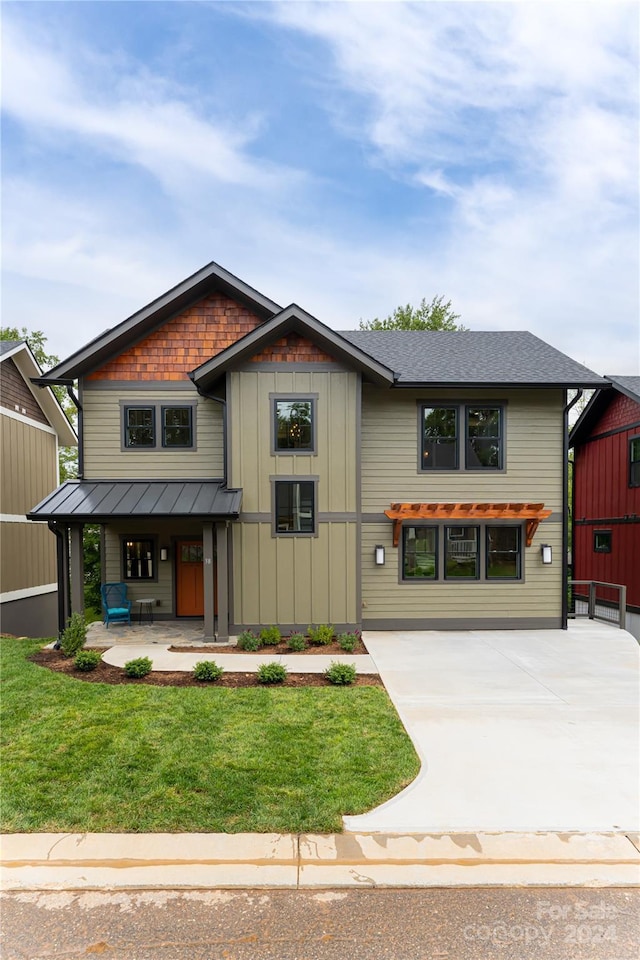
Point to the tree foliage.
(435, 315)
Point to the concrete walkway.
(517, 730)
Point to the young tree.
(436, 315)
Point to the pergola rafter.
(531, 513)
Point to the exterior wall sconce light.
(546, 553)
(163, 553)
(379, 555)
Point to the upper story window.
(294, 426)
(294, 507)
(443, 426)
(634, 462)
(157, 425)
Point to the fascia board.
(44, 396)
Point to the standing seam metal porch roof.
(101, 500)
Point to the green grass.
(92, 757)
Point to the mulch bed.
(105, 673)
(330, 649)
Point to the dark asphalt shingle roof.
(7, 345)
(628, 385)
(100, 500)
(441, 357)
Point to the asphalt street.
(437, 924)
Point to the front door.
(189, 579)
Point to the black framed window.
(602, 541)
(294, 426)
(294, 506)
(439, 438)
(461, 436)
(503, 553)
(420, 553)
(177, 429)
(634, 462)
(484, 438)
(138, 559)
(139, 427)
(461, 559)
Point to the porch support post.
(209, 587)
(77, 568)
(223, 580)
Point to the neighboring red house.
(606, 491)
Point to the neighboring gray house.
(250, 466)
(32, 425)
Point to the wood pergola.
(531, 513)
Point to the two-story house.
(252, 466)
(32, 426)
(606, 493)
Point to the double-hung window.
(139, 427)
(138, 559)
(461, 436)
(481, 552)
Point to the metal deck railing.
(598, 601)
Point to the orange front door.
(189, 579)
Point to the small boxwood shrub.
(342, 674)
(272, 673)
(270, 636)
(207, 671)
(348, 641)
(138, 668)
(297, 642)
(74, 635)
(248, 641)
(321, 635)
(87, 660)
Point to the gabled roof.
(22, 355)
(212, 278)
(98, 501)
(583, 427)
(293, 319)
(443, 358)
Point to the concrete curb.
(52, 861)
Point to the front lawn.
(91, 757)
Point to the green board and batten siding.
(533, 473)
(294, 580)
(105, 459)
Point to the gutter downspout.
(565, 507)
(61, 544)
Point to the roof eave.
(499, 384)
(30, 371)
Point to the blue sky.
(346, 156)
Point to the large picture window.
(293, 424)
(634, 462)
(294, 507)
(138, 559)
(480, 552)
(461, 437)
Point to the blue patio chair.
(116, 607)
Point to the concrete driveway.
(517, 730)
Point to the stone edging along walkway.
(183, 861)
(165, 660)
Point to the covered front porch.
(166, 540)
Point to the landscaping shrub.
(297, 642)
(248, 641)
(74, 635)
(321, 635)
(207, 670)
(270, 636)
(348, 641)
(272, 673)
(342, 674)
(138, 668)
(87, 660)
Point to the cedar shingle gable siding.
(182, 343)
(15, 394)
(290, 349)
